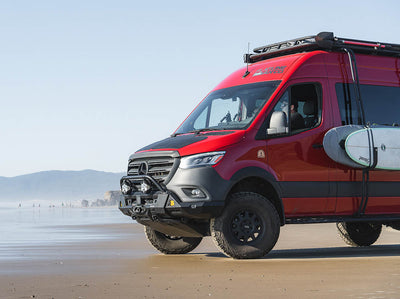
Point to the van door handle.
(317, 145)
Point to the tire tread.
(222, 243)
(160, 242)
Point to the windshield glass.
(230, 108)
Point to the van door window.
(381, 104)
(299, 107)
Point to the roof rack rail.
(322, 41)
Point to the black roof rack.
(322, 41)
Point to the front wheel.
(170, 244)
(248, 228)
(359, 233)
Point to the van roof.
(277, 68)
(322, 41)
(281, 60)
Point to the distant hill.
(59, 185)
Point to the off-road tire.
(248, 227)
(359, 233)
(170, 244)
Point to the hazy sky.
(83, 84)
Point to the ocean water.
(32, 225)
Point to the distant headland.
(88, 187)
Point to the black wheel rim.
(246, 226)
(173, 238)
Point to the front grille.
(159, 168)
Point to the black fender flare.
(253, 171)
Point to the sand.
(309, 261)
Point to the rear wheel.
(248, 228)
(359, 233)
(170, 244)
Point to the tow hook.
(139, 210)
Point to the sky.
(84, 84)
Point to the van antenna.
(247, 61)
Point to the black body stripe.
(306, 189)
(338, 189)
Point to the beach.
(114, 260)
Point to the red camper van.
(252, 156)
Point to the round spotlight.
(126, 188)
(144, 187)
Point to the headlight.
(206, 159)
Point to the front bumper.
(175, 200)
(166, 205)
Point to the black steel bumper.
(174, 205)
(167, 205)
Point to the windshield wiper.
(176, 134)
(196, 131)
(203, 130)
(211, 129)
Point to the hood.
(192, 143)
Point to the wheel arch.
(257, 180)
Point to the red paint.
(293, 158)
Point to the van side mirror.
(277, 124)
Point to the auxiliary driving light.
(126, 188)
(144, 187)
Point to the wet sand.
(309, 261)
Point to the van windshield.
(232, 108)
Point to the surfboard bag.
(364, 147)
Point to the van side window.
(381, 104)
(349, 110)
(301, 107)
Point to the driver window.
(283, 105)
(299, 109)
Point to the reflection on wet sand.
(309, 261)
